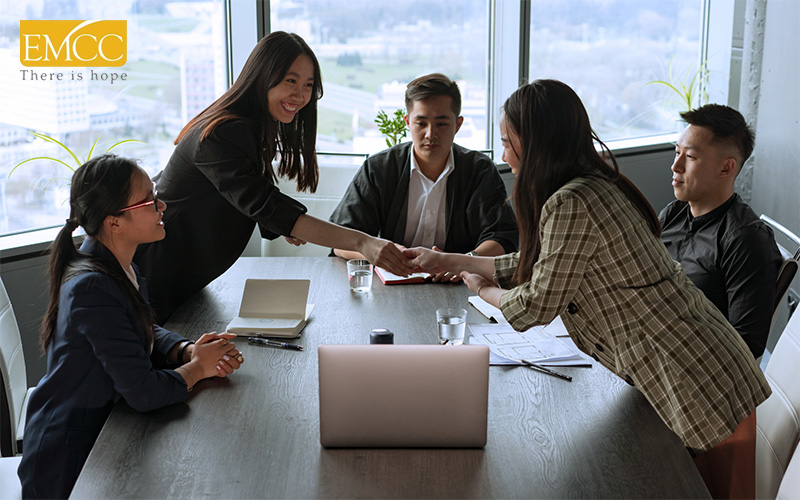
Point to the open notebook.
(272, 308)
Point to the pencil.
(548, 371)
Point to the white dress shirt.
(425, 224)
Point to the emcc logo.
(73, 43)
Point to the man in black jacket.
(431, 192)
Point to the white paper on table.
(556, 328)
(487, 309)
(536, 345)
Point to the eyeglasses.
(153, 202)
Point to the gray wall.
(776, 171)
(776, 160)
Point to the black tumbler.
(381, 336)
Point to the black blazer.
(376, 201)
(216, 191)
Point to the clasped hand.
(217, 355)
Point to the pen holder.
(381, 336)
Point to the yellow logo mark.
(73, 43)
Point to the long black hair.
(558, 145)
(265, 68)
(100, 187)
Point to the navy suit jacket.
(98, 354)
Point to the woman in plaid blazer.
(590, 251)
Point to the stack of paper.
(487, 309)
(556, 327)
(537, 344)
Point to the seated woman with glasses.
(99, 333)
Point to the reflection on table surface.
(256, 433)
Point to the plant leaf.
(92, 148)
(50, 139)
(123, 142)
(40, 158)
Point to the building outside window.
(176, 66)
(368, 49)
(609, 50)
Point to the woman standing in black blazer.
(98, 332)
(220, 180)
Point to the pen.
(545, 370)
(274, 343)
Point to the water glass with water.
(452, 322)
(359, 274)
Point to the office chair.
(14, 391)
(778, 418)
(790, 486)
(789, 266)
(11, 489)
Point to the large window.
(370, 49)
(609, 50)
(176, 66)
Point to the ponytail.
(62, 254)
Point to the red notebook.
(392, 279)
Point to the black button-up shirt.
(730, 254)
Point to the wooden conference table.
(256, 433)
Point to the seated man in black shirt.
(726, 250)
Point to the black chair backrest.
(790, 260)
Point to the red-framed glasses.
(153, 202)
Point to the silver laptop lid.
(400, 396)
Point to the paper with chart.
(537, 345)
(556, 327)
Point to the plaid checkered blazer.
(627, 304)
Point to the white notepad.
(272, 308)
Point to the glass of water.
(452, 322)
(359, 274)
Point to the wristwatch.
(473, 253)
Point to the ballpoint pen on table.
(274, 343)
(545, 370)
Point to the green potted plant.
(690, 89)
(393, 128)
(78, 161)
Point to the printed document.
(537, 344)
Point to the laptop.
(403, 396)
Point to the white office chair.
(14, 379)
(11, 489)
(778, 418)
(790, 486)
